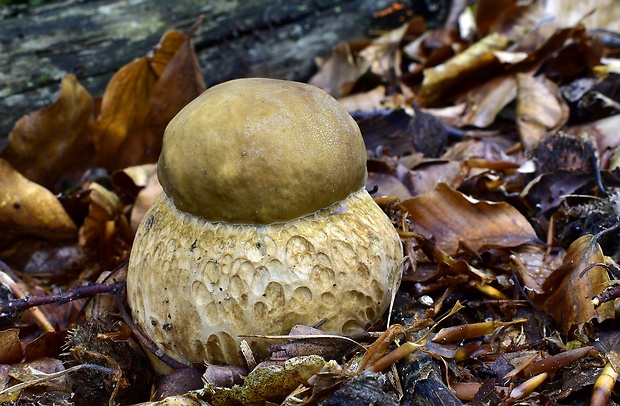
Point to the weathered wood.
(92, 39)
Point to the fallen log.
(92, 39)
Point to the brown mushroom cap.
(259, 151)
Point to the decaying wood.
(92, 39)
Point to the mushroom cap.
(194, 286)
(261, 151)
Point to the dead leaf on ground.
(570, 302)
(384, 55)
(10, 347)
(534, 264)
(27, 208)
(50, 145)
(166, 49)
(541, 109)
(103, 211)
(488, 100)
(179, 83)
(141, 182)
(124, 114)
(459, 70)
(339, 72)
(451, 218)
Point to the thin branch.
(10, 308)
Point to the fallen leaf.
(570, 303)
(489, 99)
(541, 110)
(549, 190)
(387, 185)
(145, 199)
(457, 71)
(534, 265)
(49, 145)
(489, 11)
(383, 54)
(368, 101)
(10, 347)
(451, 218)
(102, 213)
(166, 49)
(180, 82)
(340, 71)
(26, 208)
(124, 113)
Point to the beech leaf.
(451, 217)
(29, 208)
(124, 112)
(47, 145)
(571, 303)
(541, 110)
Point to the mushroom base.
(195, 286)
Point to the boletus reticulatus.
(264, 223)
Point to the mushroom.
(264, 223)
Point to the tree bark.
(92, 39)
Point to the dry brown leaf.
(384, 55)
(368, 101)
(10, 347)
(571, 303)
(451, 218)
(425, 177)
(489, 11)
(139, 181)
(541, 109)
(387, 185)
(167, 48)
(46, 146)
(28, 208)
(124, 113)
(179, 83)
(597, 13)
(102, 212)
(535, 265)
(489, 99)
(340, 71)
(459, 70)
(605, 132)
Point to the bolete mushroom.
(264, 223)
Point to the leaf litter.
(494, 152)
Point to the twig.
(11, 307)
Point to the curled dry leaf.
(165, 51)
(459, 70)
(451, 217)
(139, 102)
(488, 100)
(384, 55)
(340, 71)
(28, 208)
(180, 82)
(151, 189)
(46, 146)
(102, 211)
(570, 302)
(124, 112)
(541, 110)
